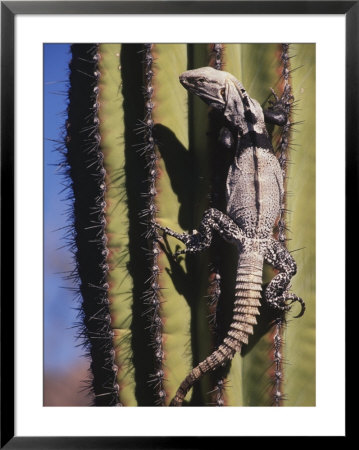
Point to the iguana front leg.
(277, 293)
(213, 220)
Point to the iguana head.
(208, 83)
(223, 91)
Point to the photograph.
(179, 234)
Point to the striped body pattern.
(254, 201)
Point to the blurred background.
(65, 367)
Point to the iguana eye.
(223, 92)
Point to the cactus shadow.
(179, 166)
(185, 285)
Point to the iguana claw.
(192, 241)
(294, 298)
(280, 303)
(183, 237)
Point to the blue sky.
(60, 347)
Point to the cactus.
(140, 150)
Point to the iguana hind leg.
(277, 294)
(213, 220)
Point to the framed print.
(173, 202)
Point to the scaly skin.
(254, 195)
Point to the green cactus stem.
(141, 150)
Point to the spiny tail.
(247, 295)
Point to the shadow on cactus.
(181, 197)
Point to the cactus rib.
(152, 296)
(88, 180)
(282, 151)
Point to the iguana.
(254, 198)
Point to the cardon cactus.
(140, 150)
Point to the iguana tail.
(248, 293)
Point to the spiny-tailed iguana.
(254, 197)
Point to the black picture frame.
(9, 9)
